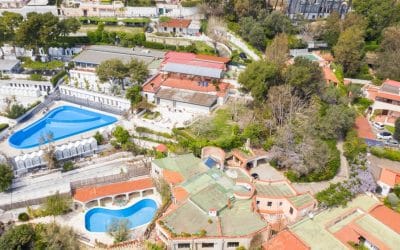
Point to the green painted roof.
(274, 189)
(211, 197)
(314, 232)
(187, 165)
(379, 231)
(301, 200)
(240, 219)
(190, 219)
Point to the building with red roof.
(180, 26)
(388, 179)
(285, 240)
(188, 82)
(386, 99)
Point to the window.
(269, 203)
(233, 244)
(165, 28)
(258, 202)
(205, 245)
(280, 203)
(183, 245)
(291, 210)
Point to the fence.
(133, 171)
(50, 98)
(27, 203)
(92, 104)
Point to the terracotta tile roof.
(154, 85)
(172, 177)
(161, 148)
(177, 23)
(364, 128)
(389, 177)
(212, 58)
(180, 193)
(372, 91)
(89, 193)
(388, 96)
(347, 234)
(285, 240)
(196, 60)
(392, 82)
(387, 216)
(329, 75)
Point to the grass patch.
(386, 153)
(151, 115)
(390, 128)
(119, 28)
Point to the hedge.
(3, 126)
(54, 80)
(387, 153)
(150, 131)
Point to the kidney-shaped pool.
(61, 122)
(142, 212)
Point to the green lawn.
(90, 27)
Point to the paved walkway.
(343, 174)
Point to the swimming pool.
(140, 213)
(61, 122)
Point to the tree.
(9, 21)
(38, 30)
(112, 70)
(388, 58)
(133, 94)
(6, 176)
(121, 135)
(277, 22)
(396, 134)
(119, 229)
(138, 71)
(349, 50)
(258, 77)
(305, 76)
(332, 29)
(99, 138)
(18, 237)
(57, 204)
(68, 25)
(278, 51)
(338, 119)
(379, 14)
(53, 236)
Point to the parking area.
(267, 173)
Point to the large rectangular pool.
(59, 123)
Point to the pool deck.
(6, 149)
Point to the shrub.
(335, 195)
(99, 138)
(3, 126)
(68, 166)
(23, 217)
(387, 153)
(36, 77)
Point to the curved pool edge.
(157, 203)
(51, 112)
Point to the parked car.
(255, 176)
(392, 143)
(378, 125)
(384, 135)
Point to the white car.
(384, 135)
(378, 125)
(392, 143)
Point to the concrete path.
(243, 46)
(315, 187)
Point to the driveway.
(243, 46)
(267, 173)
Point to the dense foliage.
(39, 236)
(387, 153)
(6, 176)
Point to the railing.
(92, 104)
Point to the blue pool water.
(62, 122)
(140, 213)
